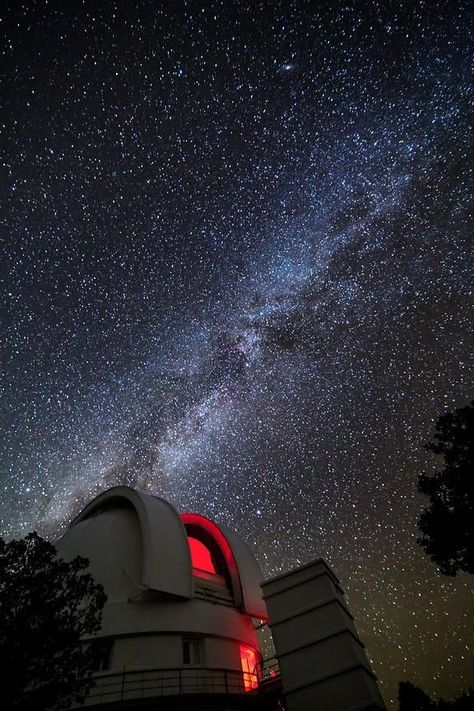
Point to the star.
(247, 295)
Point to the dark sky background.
(239, 276)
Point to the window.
(248, 663)
(192, 651)
(103, 656)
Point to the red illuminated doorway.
(248, 662)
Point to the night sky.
(239, 276)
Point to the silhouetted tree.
(46, 605)
(448, 524)
(412, 698)
(463, 703)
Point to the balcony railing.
(127, 685)
(268, 670)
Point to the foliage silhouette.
(46, 606)
(447, 526)
(412, 698)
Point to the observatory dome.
(183, 593)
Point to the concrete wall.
(166, 651)
(152, 652)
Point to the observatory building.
(186, 605)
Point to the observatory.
(185, 601)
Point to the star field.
(239, 276)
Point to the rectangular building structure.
(322, 661)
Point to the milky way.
(239, 276)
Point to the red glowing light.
(190, 519)
(201, 556)
(248, 663)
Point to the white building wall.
(322, 661)
(150, 652)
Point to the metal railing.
(268, 670)
(126, 685)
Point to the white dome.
(138, 542)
